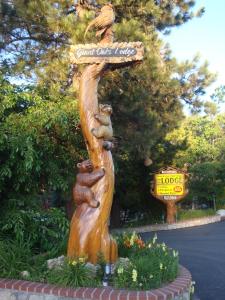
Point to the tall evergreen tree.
(147, 100)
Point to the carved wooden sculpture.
(103, 21)
(85, 179)
(93, 192)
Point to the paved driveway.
(202, 251)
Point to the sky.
(206, 36)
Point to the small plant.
(73, 273)
(150, 263)
(16, 258)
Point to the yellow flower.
(74, 263)
(82, 259)
(133, 238)
(120, 270)
(134, 275)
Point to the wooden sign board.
(169, 184)
(110, 53)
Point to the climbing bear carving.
(85, 179)
(105, 130)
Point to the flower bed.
(179, 289)
(142, 266)
(142, 269)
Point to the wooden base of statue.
(89, 235)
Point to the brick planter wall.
(27, 290)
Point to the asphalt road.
(202, 252)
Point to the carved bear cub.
(105, 130)
(85, 179)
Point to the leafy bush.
(40, 141)
(44, 230)
(150, 264)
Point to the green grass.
(184, 215)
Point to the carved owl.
(103, 21)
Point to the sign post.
(94, 188)
(169, 186)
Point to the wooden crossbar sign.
(114, 53)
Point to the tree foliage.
(39, 141)
(200, 142)
(147, 100)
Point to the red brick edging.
(177, 287)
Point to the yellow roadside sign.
(170, 184)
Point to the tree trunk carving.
(89, 233)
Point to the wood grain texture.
(89, 233)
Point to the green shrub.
(73, 273)
(220, 204)
(14, 258)
(17, 257)
(44, 230)
(150, 264)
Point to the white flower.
(175, 253)
(134, 275)
(164, 247)
(149, 245)
(151, 276)
(154, 239)
(192, 287)
(161, 266)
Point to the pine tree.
(147, 100)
